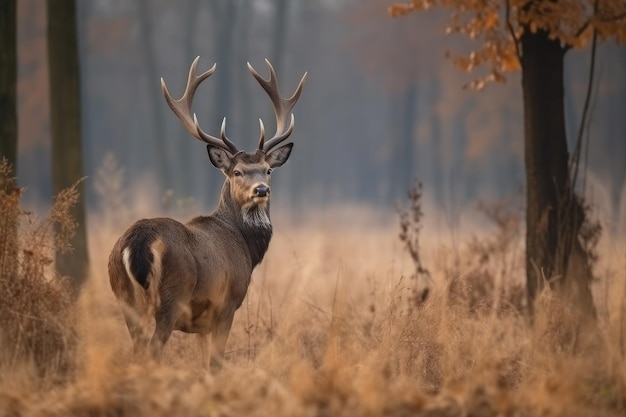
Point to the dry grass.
(36, 312)
(330, 328)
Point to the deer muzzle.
(262, 191)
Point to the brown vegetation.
(327, 329)
(36, 313)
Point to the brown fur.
(194, 276)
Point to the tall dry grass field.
(331, 326)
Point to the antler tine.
(262, 136)
(223, 143)
(182, 108)
(282, 107)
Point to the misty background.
(382, 105)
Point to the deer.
(193, 276)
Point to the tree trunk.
(436, 142)
(67, 167)
(247, 129)
(225, 14)
(163, 169)
(185, 147)
(8, 82)
(404, 109)
(281, 29)
(8, 138)
(224, 57)
(552, 212)
(617, 146)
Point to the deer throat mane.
(253, 223)
(256, 229)
(256, 217)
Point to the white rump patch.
(137, 289)
(126, 262)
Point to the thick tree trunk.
(8, 82)
(8, 138)
(553, 215)
(67, 165)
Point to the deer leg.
(203, 344)
(219, 339)
(165, 321)
(137, 329)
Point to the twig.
(585, 25)
(507, 5)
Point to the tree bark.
(225, 14)
(279, 37)
(185, 146)
(225, 43)
(65, 114)
(403, 109)
(246, 128)
(553, 214)
(163, 170)
(8, 82)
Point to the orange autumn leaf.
(491, 20)
(495, 26)
(400, 9)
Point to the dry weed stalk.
(410, 228)
(486, 280)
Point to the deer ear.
(279, 156)
(219, 157)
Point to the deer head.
(247, 173)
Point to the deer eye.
(237, 173)
(269, 171)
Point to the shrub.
(36, 313)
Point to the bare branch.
(613, 18)
(586, 25)
(583, 28)
(511, 29)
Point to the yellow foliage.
(491, 19)
(572, 22)
(400, 10)
(510, 61)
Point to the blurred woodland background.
(382, 104)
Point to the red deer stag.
(194, 276)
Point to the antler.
(182, 110)
(282, 107)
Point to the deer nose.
(262, 191)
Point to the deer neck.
(254, 224)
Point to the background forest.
(382, 105)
